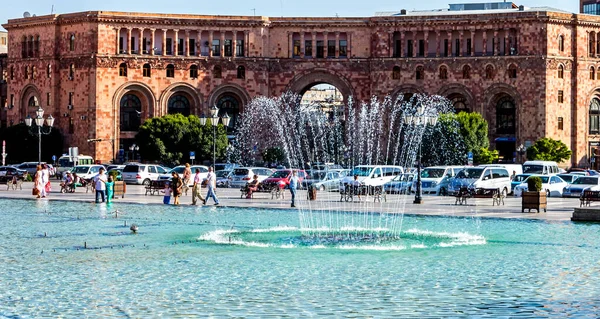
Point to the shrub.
(534, 184)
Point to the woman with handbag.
(38, 184)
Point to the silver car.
(325, 181)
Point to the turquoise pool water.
(225, 262)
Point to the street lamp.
(421, 118)
(134, 148)
(39, 122)
(521, 149)
(214, 120)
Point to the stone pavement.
(559, 209)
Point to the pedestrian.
(110, 189)
(512, 177)
(211, 184)
(294, 186)
(45, 181)
(187, 176)
(176, 187)
(197, 188)
(167, 191)
(100, 185)
(37, 182)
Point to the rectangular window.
(228, 48)
(169, 46)
(343, 48)
(216, 47)
(469, 47)
(180, 46)
(48, 99)
(144, 46)
(308, 48)
(457, 48)
(397, 48)
(121, 45)
(421, 48)
(133, 46)
(3, 41)
(446, 52)
(330, 48)
(296, 52)
(192, 46)
(493, 46)
(560, 123)
(12, 100)
(239, 48)
(71, 94)
(409, 48)
(560, 96)
(320, 49)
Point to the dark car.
(7, 173)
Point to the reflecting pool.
(77, 260)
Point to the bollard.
(125, 224)
(85, 244)
(45, 234)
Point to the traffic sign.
(192, 155)
(54, 158)
(470, 158)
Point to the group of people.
(294, 181)
(41, 181)
(175, 187)
(105, 187)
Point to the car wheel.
(322, 188)
(146, 182)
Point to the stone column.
(415, 44)
(506, 42)
(325, 51)
(484, 42)
(461, 42)
(128, 40)
(176, 43)
(246, 43)
(143, 44)
(222, 44)
(152, 42)
(302, 48)
(348, 44)
(402, 43)
(426, 40)
(187, 42)
(472, 42)
(496, 42)
(234, 43)
(211, 35)
(449, 46)
(390, 43)
(164, 44)
(118, 31)
(290, 36)
(314, 45)
(337, 45)
(199, 43)
(438, 44)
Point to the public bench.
(348, 191)
(588, 197)
(155, 187)
(14, 182)
(494, 193)
(462, 196)
(275, 191)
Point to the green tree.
(443, 144)
(547, 149)
(274, 155)
(22, 144)
(474, 130)
(170, 138)
(485, 156)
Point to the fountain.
(377, 132)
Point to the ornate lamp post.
(134, 148)
(521, 150)
(39, 122)
(421, 118)
(214, 120)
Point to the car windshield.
(566, 178)
(586, 180)
(520, 178)
(533, 169)
(131, 169)
(433, 173)
(362, 171)
(81, 169)
(470, 173)
(280, 174)
(179, 170)
(65, 162)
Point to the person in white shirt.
(211, 180)
(197, 188)
(45, 179)
(99, 182)
(294, 181)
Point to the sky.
(273, 8)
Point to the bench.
(348, 192)
(461, 197)
(155, 187)
(14, 182)
(493, 193)
(275, 191)
(588, 196)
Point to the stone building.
(531, 72)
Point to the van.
(373, 175)
(435, 179)
(142, 173)
(517, 169)
(541, 167)
(66, 163)
(481, 177)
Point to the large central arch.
(302, 82)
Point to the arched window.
(505, 116)
(217, 72)
(33, 102)
(194, 71)
(71, 71)
(466, 72)
(561, 43)
(241, 72)
(36, 46)
(489, 72)
(72, 42)
(178, 104)
(24, 47)
(595, 116)
(443, 72)
(420, 73)
(512, 71)
(49, 71)
(26, 72)
(131, 113)
(592, 73)
(170, 71)
(123, 69)
(33, 72)
(561, 71)
(146, 70)
(396, 73)
(459, 102)
(30, 47)
(229, 104)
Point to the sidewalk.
(559, 209)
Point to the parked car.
(374, 175)
(324, 180)
(569, 177)
(225, 167)
(142, 173)
(552, 185)
(242, 175)
(30, 167)
(7, 173)
(66, 163)
(401, 184)
(540, 167)
(223, 178)
(583, 171)
(481, 177)
(281, 178)
(582, 183)
(179, 170)
(517, 180)
(434, 180)
(86, 171)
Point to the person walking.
(294, 186)
(187, 175)
(211, 184)
(45, 181)
(176, 184)
(110, 189)
(100, 185)
(197, 188)
(37, 182)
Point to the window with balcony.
(239, 48)
(228, 47)
(421, 48)
(457, 47)
(409, 48)
(446, 51)
(192, 46)
(469, 52)
(308, 49)
(297, 52)
(320, 49)
(169, 46)
(180, 47)
(132, 45)
(216, 47)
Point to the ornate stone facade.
(529, 72)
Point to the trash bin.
(312, 192)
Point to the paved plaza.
(559, 209)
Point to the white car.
(242, 175)
(87, 171)
(142, 173)
(552, 185)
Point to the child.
(167, 192)
(110, 189)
